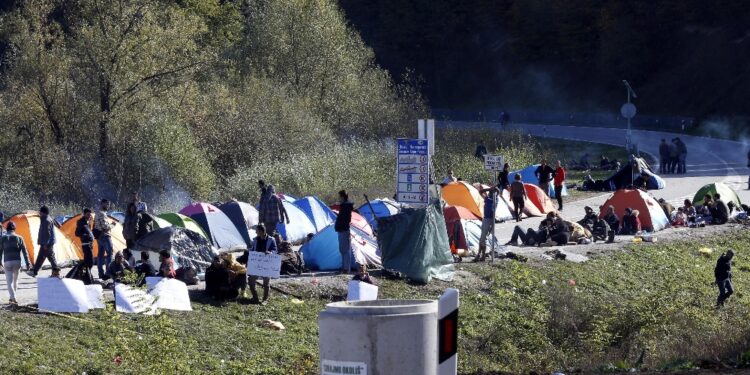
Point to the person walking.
(681, 156)
(130, 227)
(663, 156)
(559, 182)
(84, 233)
(46, 240)
(265, 244)
(103, 233)
(518, 196)
(12, 249)
(544, 173)
(723, 276)
(272, 210)
(343, 221)
(503, 179)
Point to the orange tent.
(27, 226)
(464, 195)
(118, 240)
(650, 212)
(539, 199)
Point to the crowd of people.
(672, 156)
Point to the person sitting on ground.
(612, 220)
(450, 178)
(291, 262)
(601, 231)
(166, 267)
(704, 210)
(689, 210)
(560, 233)
(362, 275)
(217, 279)
(237, 274)
(531, 237)
(720, 213)
(631, 224)
(116, 270)
(589, 218)
(128, 256)
(641, 182)
(666, 207)
(145, 269)
(680, 219)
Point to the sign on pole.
(413, 172)
(493, 162)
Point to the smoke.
(94, 182)
(169, 196)
(728, 128)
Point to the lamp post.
(628, 111)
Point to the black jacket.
(544, 173)
(345, 217)
(83, 231)
(723, 268)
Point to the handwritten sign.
(171, 294)
(263, 265)
(95, 295)
(359, 291)
(328, 367)
(133, 300)
(62, 295)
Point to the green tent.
(415, 243)
(180, 220)
(726, 193)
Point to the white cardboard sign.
(171, 294)
(359, 291)
(95, 296)
(263, 265)
(62, 295)
(133, 300)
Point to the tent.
(188, 249)
(528, 176)
(159, 222)
(322, 252)
(27, 226)
(414, 242)
(299, 224)
(504, 210)
(358, 221)
(317, 211)
(727, 194)
(464, 195)
(182, 221)
(651, 214)
(244, 217)
(216, 225)
(529, 208)
(454, 217)
(118, 240)
(378, 208)
(539, 199)
(627, 175)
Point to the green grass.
(647, 307)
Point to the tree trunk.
(105, 109)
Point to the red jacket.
(559, 176)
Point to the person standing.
(449, 178)
(272, 210)
(681, 155)
(342, 224)
(544, 173)
(518, 196)
(103, 233)
(490, 204)
(265, 244)
(663, 156)
(84, 233)
(480, 151)
(723, 276)
(140, 206)
(559, 181)
(130, 227)
(674, 154)
(46, 240)
(12, 248)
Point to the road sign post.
(413, 172)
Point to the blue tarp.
(380, 208)
(317, 211)
(322, 252)
(527, 176)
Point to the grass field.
(649, 307)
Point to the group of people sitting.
(125, 263)
(713, 210)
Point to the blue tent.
(317, 211)
(244, 217)
(528, 176)
(378, 208)
(322, 252)
(299, 224)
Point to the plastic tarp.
(188, 249)
(415, 243)
(378, 208)
(528, 176)
(244, 217)
(726, 193)
(27, 226)
(322, 252)
(650, 212)
(118, 240)
(317, 211)
(182, 221)
(627, 175)
(299, 224)
(220, 230)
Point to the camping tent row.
(464, 195)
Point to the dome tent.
(538, 198)
(118, 240)
(319, 214)
(299, 224)
(378, 208)
(528, 176)
(244, 217)
(217, 226)
(650, 212)
(27, 226)
(188, 249)
(726, 193)
(463, 195)
(180, 220)
(322, 252)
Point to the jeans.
(486, 230)
(88, 255)
(105, 254)
(251, 280)
(558, 195)
(518, 203)
(663, 164)
(681, 163)
(725, 290)
(45, 252)
(345, 248)
(12, 268)
(527, 238)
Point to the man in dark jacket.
(720, 212)
(343, 220)
(589, 219)
(544, 173)
(46, 241)
(723, 275)
(265, 244)
(663, 156)
(681, 155)
(84, 233)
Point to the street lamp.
(628, 111)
